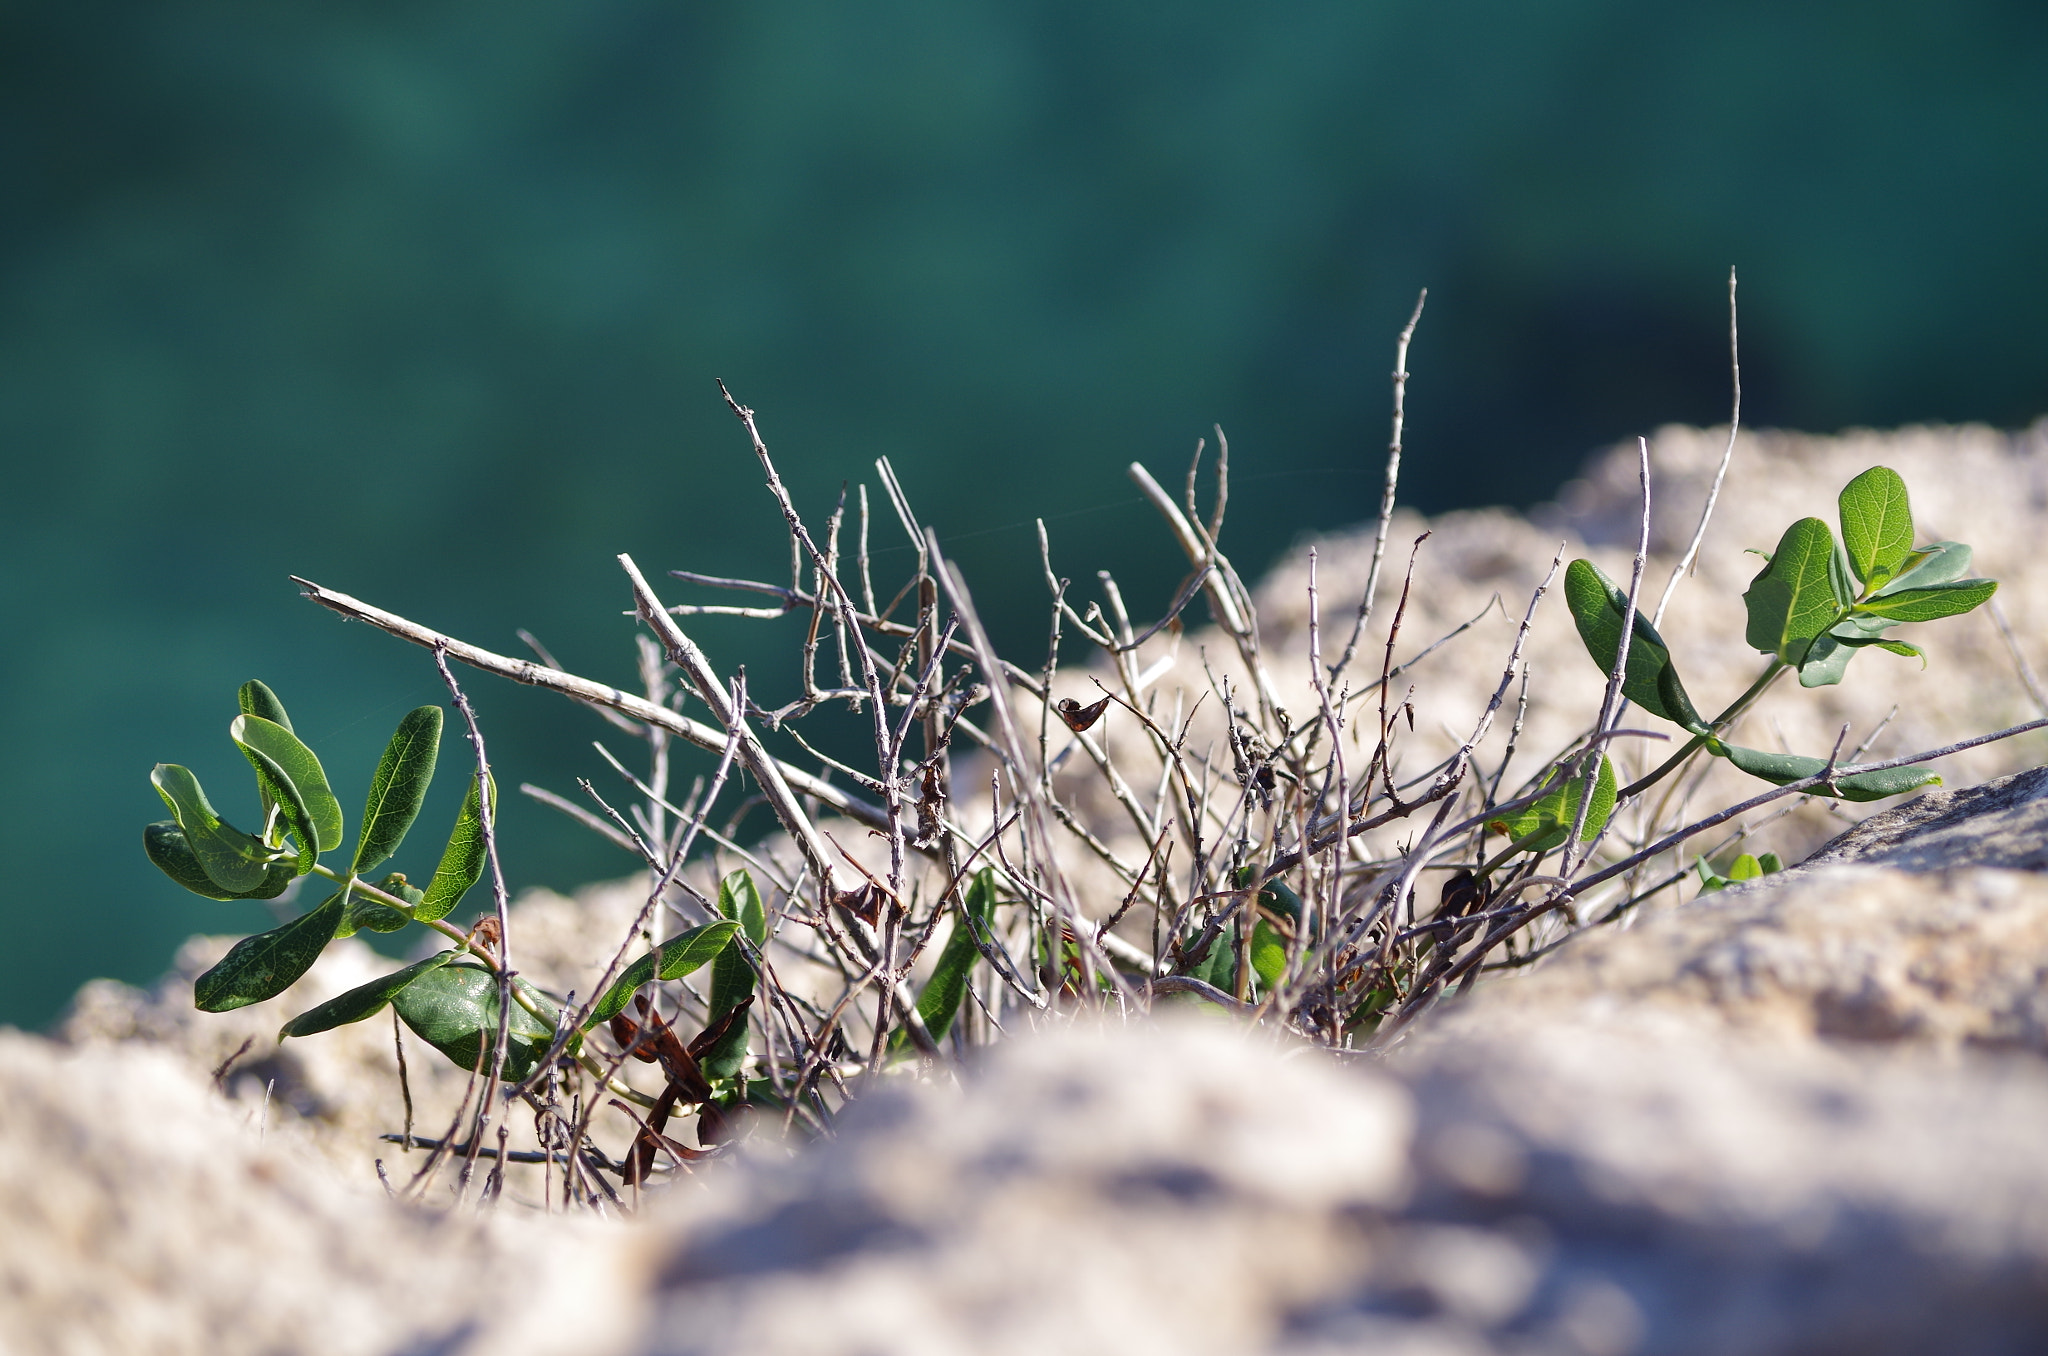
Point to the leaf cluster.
(1811, 608)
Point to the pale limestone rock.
(1911, 928)
(147, 1216)
(1540, 1186)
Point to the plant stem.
(1692, 746)
(368, 891)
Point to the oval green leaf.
(455, 1010)
(267, 964)
(462, 861)
(1827, 659)
(267, 744)
(946, 990)
(1546, 823)
(231, 859)
(1784, 768)
(1877, 524)
(1598, 606)
(256, 699)
(399, 787)
(1942, 563)
(1793, 599)
(362, 1002)
(1932, 604)
(673, 959)
(732, 974)
(166, 846)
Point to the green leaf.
(673, 959)
(231, 859)
(1827, 659)
(732, 974)
(1770, 863)
(1898, 647)
(256, 699)
(1269, 955)
(364, 912)
(1877, 524)
(1651, 682)
(1931, 604)
(274, 750)
(363, 1001)
(399, 787)
(1784, 768)
(1746, 867)
(165, 843)
(455, 1010)
(462, 861)
(1710, 880)
(1545, 824)
(1859, 627)
(1793, 599)
(740, 900)
(267, 964)
(946, 990)
(1942, 563)
(280, 795)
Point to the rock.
(1551, 1187)
(1156, 1189)
(1912, 927)
(1950, 960)
(147, 1214)
(2003, 823)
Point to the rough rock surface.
(1912, 927)
(146, 1214)
(1558, 1187)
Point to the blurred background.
(425, 302)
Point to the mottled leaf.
(455, 1010)
(361, 1002)
(165, 843)
(673, 959)
(267, 964)
(462, 861)
(399, 787)
(364, 912)
(270, 747)
(231, 859)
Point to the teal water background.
(425, 302)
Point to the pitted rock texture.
(2003, 823)
(1947, 959)
(146, 1215)
(1926, 924)
(1553, 1187)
